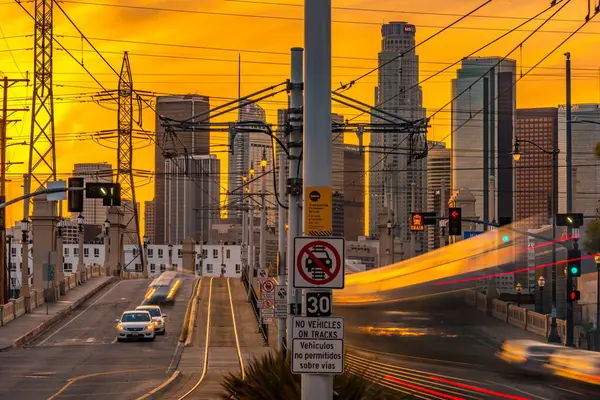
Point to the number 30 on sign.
(318, 304)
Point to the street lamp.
(519, 290)
(541, 284)
(9, 239)
(389, 227)
(61, 225)
(170, 256)
(106, 227)
(553, 337)
(80, 222)
(144, 256)
(25, 290)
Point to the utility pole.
(6, 84)
(569, 332)
(413, 241)
(317, 140)
(263, 213)
(125, 158)
(281, 276)
(251, 233)
(294, 186)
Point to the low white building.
(217, 260)
(211, 260)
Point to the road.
(215, 335)
(435, 344)
(83, 349)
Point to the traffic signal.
(75, 198)
(109, 192)
(502, 221)
(455, 221)
(574, 265)
(574, 295)
(572, 220)
(417, 223)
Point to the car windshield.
(136, 317)
(155, 312)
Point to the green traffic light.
(574, 270)
(505, 238)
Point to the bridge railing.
(263, 328)
(514, 315)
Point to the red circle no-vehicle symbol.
(318, 267)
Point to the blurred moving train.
(163, 289)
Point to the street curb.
(162, 388)
(44, 326)
(193, 312)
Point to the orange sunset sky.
(179, 47)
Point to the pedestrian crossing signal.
(575, 295)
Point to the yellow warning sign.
(318, 211)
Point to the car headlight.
(150, 327)
(120, 327)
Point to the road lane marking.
(71, 381)
(567, 390)
(79, 315)
(235, 332)
(207, 342)
(519, 390)
(114, 340)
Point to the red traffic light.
(454, 214)
(575, 295)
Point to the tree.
(592, 237)
(270, 378)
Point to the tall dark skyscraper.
(192, 143)
(399, 93)
(354, 193)
(482, 134)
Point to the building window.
(215, 253)
(152, 268)
(66, 251)
(204, 253)
(75, 251)
(96, 252)
(228, 253)
(86, 252)
(68, 267)
(178, 253)
(160, 253)
(13, 267)
(138, 267)
(163, 268)
(13, 251)
(238, 268)
(150, 252)
(209, 268)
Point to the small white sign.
(263, 273)
(318, 328)
(267, 321)
(260, 303)
(318, 356)
(266, 312)
(268, 304)
(268, 296)
(280, 293)
(281, 310)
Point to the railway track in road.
(222, 352)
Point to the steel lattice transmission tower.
(125, 157)
(42, 154)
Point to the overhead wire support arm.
(373, 108)
(363, 110)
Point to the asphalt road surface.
(433, 346)
(80, 358)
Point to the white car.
(157, 316)
(135, 325)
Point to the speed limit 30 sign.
(318, 304)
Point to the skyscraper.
(398, 92)
(149, 222)
(193, 142)
(533, 171)
(248, 150)
(354, 193)
(438, 177)
(192, 202)
(94, 213)
(482, 134)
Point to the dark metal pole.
(553, 336)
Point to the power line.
(348, 85)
